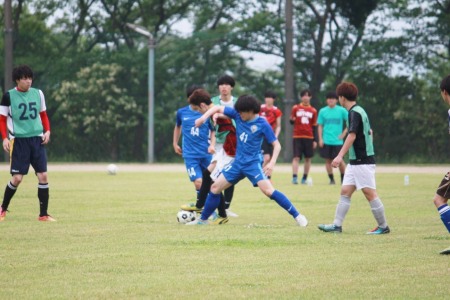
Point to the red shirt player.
(273, 116)
(304, 118)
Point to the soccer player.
(443, 191)
(23, 114)
(304, 118)
(224, 149)
(251, 129)
(273, 116)
(360, 173)
(331, 133)
(196, 150)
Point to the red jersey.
(305, 117)
(271, 115)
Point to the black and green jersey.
(24, 112)
(362, 151)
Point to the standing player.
(251, 130)
(331, 133)
(443, 192)
(196, 150)
(304, 118)
(273, 115)
(224, 150)
(23, 114)
(360, 173)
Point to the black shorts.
(26, 151)
(266, 148)
(329, 151)
(444, 188)
(303, 147)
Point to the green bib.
(25, 108)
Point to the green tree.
(100, 116)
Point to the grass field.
(117, 238)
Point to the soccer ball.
(112, 169)
(184, 216)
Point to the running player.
(273, 116)
(251, 130)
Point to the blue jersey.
(250, 135)
(195, 139)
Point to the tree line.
(93, 68)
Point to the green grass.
(117, 238)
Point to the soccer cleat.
(219, 221)
(332, 182)
(294, 180)
(301, 220)
(379, 230)
(445, 251)
(304, 181)
(191, 207)
(330, 228)
(198, 222)
(47, 218)
(2, 214)
(231, 214)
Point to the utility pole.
(8, 52)
(151, 90)
(8, 39)
(288, 81)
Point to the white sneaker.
(301, 220)
(198, 222)
(231, 214)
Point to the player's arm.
(320, 134)
(46, 124)
(4, 110)
(213, 110)
(268, 168)
(347, 144)
(44, 119)
(315, 137)
(343, 134)
(176, 138)
(292, 118)
(278, 127)
(212, 144)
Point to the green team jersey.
(362, 151)
(221, 136)
(332, 121)
(25, 108)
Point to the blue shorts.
(195, 166)
(26, 151)
(235, 172)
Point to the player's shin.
(43, 195)
(284, 202)
(212, 202)
(444, 211)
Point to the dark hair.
(247, 103)
(347, 90)
(22, 71)
(200, 96)
(226, 79)
(304, 92)
(190, 89)
(270, 94)
(445, 84)
(331, 95)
